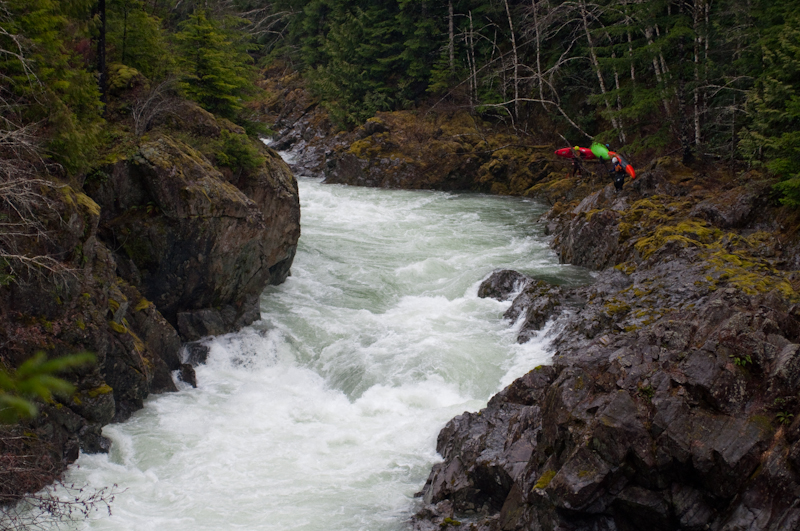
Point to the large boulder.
(201, 248)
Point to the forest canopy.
(702, 78)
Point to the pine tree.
(135, 38)
(216, 72)
(773, 137)
(58, 90)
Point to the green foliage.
(742, 361)
(53, 85)
(784, 417)
(773, 137)
(360, 72)
(34, 380)
(135, 38)
(237, 152)
(216, 72)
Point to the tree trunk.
(474, 67)
(451, 48)
(101, 53)
(648, 33)
(538, 38)
(516, 61)
(698, 44)
(596, 65)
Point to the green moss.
(448, 522)
(626, 267)
(74, 199)
(687, 233)
(142, 305)
(88, 203)
(614, 307)
(545, 479)
(118, 328)
(101, 390)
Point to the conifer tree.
(773, 137)
(216, 72)
(58, 90)
(136, 39)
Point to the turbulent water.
(324, 414)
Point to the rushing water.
(324, 414)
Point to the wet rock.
(579, 482)
(733, 208)
(503, 284)
(195, 353)
(661, 409)
(590, 240)
(187, 374)
(200, 246)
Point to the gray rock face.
(671, 403)
(202, 248)
(657, 428)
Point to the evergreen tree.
(773, 136)
(56, 87)
(216, 72)
(135, 38)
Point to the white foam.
(324, 415)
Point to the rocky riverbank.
(672, 399)
(171, 238)
(438, 148)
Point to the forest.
(715, 80)
(711, 82)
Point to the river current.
(324, 414)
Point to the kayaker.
(577, 168)
(618, 173)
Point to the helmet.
(615, 160)
(608, 147)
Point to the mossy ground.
(441, 146)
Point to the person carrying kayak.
(618, 173)
(577, 167)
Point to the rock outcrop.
(163, 248)
(438, 151)
(201, 248)
(672, 399)
(433, 149)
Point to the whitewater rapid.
(324, 414)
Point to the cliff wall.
(672, 399)
(160, 247)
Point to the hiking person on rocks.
(577, 167)
(618, 173)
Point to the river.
(324, 414)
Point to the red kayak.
(627, 167)
(568, 153)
